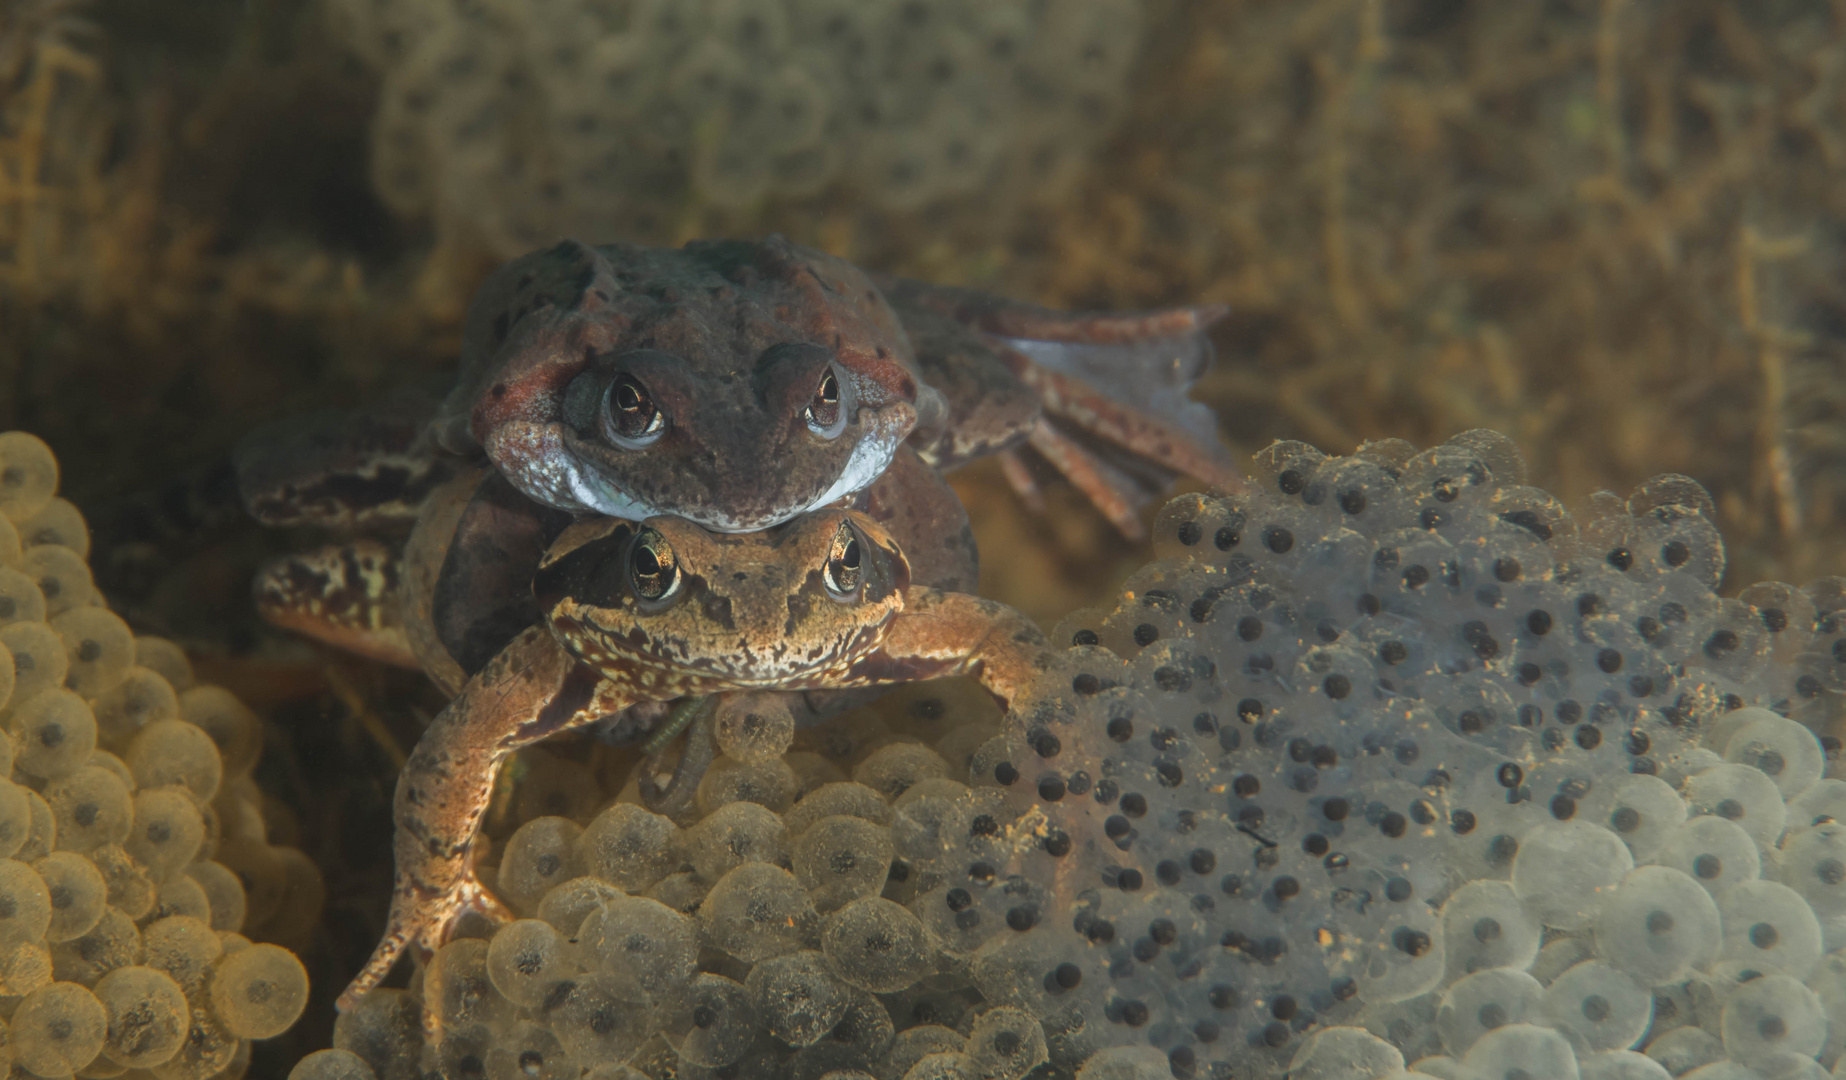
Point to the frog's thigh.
(346, 595)
(920, 511)
(988, 408)
(347, 470)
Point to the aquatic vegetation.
(51, 144)
(1606, 229)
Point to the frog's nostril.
(740, 576)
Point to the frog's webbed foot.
(1117, 420)
(427, 919)
(346, 595)
(674, 798)
(1102, 397)
(530, 690)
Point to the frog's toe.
(397, 938)
(469, 899)
(1165, 429)
(1114, 494)
(675, 798)
(426, 921)
(1019, 477)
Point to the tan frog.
(648, 612)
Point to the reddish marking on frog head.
(696, 329)
(544, 353)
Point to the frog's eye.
(629, 416)
(653, 568)
(843, 572)
(825, 414)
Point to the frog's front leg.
(531, 690)
(941, 634)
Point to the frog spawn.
(1446, 723)
(484, 119)
(130, 851)
(1392, 765)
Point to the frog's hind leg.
(345, 595)
(1182, 445)
(529, 690)
(346, 470)
(1104, 398)
(1105, 491)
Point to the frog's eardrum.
(1308, 801)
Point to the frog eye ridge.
(653, 567)
(845, 569)
(826, 412)
(630, 418)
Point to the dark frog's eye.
(630, 418)
(844, 572)
(826, 413)
(653, 569)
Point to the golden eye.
(823, 413)
(629, 412)
(843, 573)
(653, 569)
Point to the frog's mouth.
(539, 460)
(673, 609)
(670, 665)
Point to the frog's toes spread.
(1102, 397)
(1108, 489)
(426, 917)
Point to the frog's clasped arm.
(661, 610)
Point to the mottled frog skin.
(665, 474)
(732, 384)
(740, 383)
(659, 610)
(458, 589)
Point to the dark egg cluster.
(1391, 767)
(1376, 740)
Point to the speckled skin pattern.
(727, 349)
(775, 608)
(729, 340)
